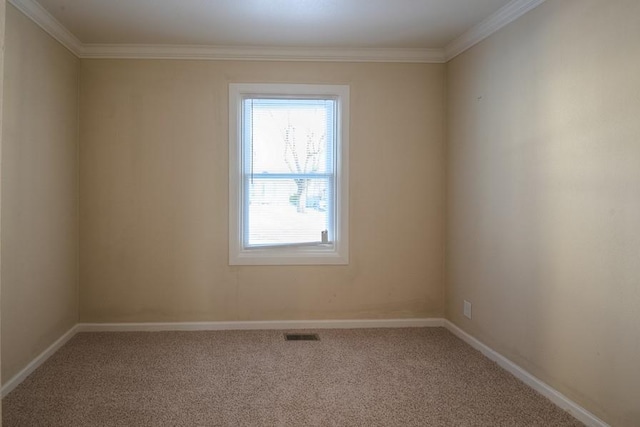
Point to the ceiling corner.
(505, 15)
(48, 23)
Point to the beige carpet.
(364, 377)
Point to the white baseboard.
(550, 393)
(39, 360)
(541, 387)
(215, 326)
(262, 325)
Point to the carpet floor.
(356, 377)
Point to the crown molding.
(254, 53)
(38, 14)
(484, 29)
(505, 15)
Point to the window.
(288, 177)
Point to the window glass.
(288, 170)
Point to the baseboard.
(39, 360)
(262, 325)
(556, 397)
(215, 326)
(541, 387)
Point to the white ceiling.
(432, 31)
(272, 23)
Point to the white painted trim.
(39, 360)
(336, 253)
(38, 14)
(251, 53)
(549, 392)
(505, 15)
(541, 387)
(214, 326)
(262, 325)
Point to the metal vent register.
(301, 337)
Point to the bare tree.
(312, 155)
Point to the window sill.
(298, 256)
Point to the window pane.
(289, 135)
(287, 211)
(288, 170)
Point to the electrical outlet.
(467, 309)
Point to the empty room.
(320, 213)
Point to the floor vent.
(301, 337)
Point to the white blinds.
(288, 171)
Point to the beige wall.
(154, 191)
(39, 193)
(544, 199)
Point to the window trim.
(333, 254)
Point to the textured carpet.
(363, 377)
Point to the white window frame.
(337, 252)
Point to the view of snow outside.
(288, 170)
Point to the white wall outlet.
(467, 309)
